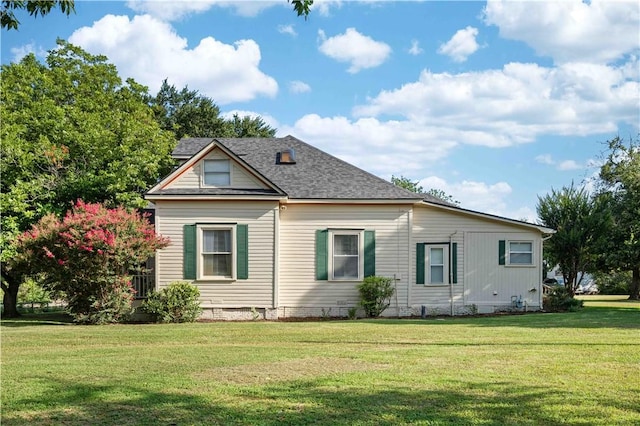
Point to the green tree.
(408, 184)
(188, 113)
(71, 129)
(579, 221)
(8, 18)
(619, 184)
(302, 7)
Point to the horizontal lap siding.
(298, 224)
(434, 225)
(171, 216)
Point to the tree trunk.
(10, 287)
(634, 290)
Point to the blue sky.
(493, 102)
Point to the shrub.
(178, 302)
(559, 300)
(375, 295)
(87, 256)
(618, 282)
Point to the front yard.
(575, 368)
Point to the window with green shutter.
(215, 252)
(345, 254)
(436, 263)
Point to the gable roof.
(315, 175)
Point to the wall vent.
(286, 156)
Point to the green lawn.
(537, 369)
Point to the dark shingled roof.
(315, 175)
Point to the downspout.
(276, 254)
(451, 271)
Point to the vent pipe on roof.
(286, 156)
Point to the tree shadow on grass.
(304, 402)
(36, 319)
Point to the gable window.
(217, 172)
(216, 252)
(436, 263)
(520, 253)
(345, 254)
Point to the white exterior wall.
(300, 294)
(257, 291)
(478, 273)
(192, 177)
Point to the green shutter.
(242, 252)
(501, 252)
(322, 255)
(189, 252)
(454, 262)
(369, 253)
(420, 263)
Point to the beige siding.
(257, 291)
(298, 225)
(478, 272)
(492, 285)
(192, 177)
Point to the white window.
(520, 253)
(217, 173)
(216, 257)
(437, 264)
(346, 250)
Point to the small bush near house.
(559, 300)
(375, 295)
(176, 303)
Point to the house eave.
(209, 197)
(542, 229)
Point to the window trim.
(204, 172)
(199, 253)
(445, 263)
(520, 265)
(361, 254)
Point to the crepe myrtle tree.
(87, 256)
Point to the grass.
(578, 368)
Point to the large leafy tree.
(9, 21)
(186, 112)
(619, 184)
(580, 221)
(71, 129)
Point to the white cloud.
(517, 103)
(462, 44)
(268, 119)
(287, 29)
(22, 51)
(299, 87)
(173, 10)
(383, 148)
(415, 48)
(154, 51)
(599, 31)
(545, 159)
(359, 50)
(569, 165)
(323, 7)
(478, 196)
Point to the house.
(280, 228)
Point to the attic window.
(286, 156)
